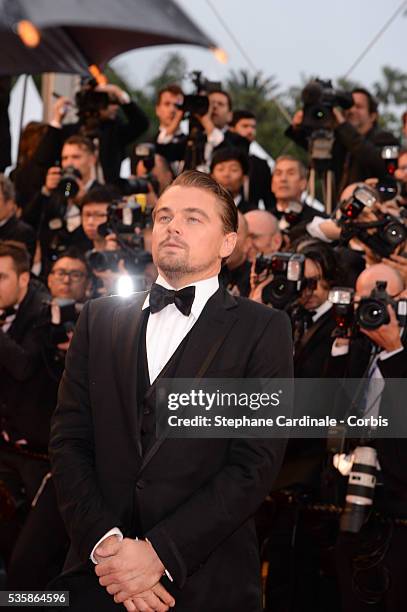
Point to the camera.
(288, 277)
(382, 235)
(371, 312)
(361, 487)
(198, 103)
(68, 185)
(64, 314)
(319, 98)
(388, 187)
(134, 258)
(89, 103)
(362, 197)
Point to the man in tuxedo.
(189, 501)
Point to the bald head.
(367, 280)
(265, 236)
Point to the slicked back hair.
(201, 180)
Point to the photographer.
(369, 556)
(288, 185)
(357, 139)
(54, 212)
(229, 167)
(244, 124)
(25, 404)
(69, 286)
(12, 228)
(170, 139)
(98, 108)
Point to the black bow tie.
(8, 312)
(160, 297)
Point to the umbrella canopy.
(77, 33)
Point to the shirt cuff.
(215, 137)
(337, 351)
(385, 354)
(164, 138)
(314, 229)
(125, 98)
(115, 531)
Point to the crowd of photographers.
(71, 229)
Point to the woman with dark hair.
(28, 176)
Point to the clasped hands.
(131, 570)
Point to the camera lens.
(394, 233)
(371, 314)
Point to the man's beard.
(177, 268)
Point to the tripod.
(320, 148)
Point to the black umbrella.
(77, 33)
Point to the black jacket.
(26, 397)
(15, 229)
(194, 497)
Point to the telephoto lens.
(360, 491)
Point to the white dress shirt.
(165, 331)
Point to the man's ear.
(228, 244)
(24, 279)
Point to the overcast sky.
(286, 38)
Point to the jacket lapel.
(126, 340)
(206, 338)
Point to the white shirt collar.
(321, 310)
(204, 289)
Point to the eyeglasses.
(74, 275)
(96, 215)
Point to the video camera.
(123, 219)
(388, 231)
(198, 103)
(319, 98)
(89, 103)
(288, 279)
(369, 313)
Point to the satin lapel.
(127, 324)
(208, 334)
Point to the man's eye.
(193, 219)
(163, 218)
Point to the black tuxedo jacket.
(15, 229)
(192, 498)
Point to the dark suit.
(14, 229)
(192, 499)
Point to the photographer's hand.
(257, 283)
(297, 119)
(59, 111)
(206, 122)
(386, 336)
(174, 125)
(52, 179)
